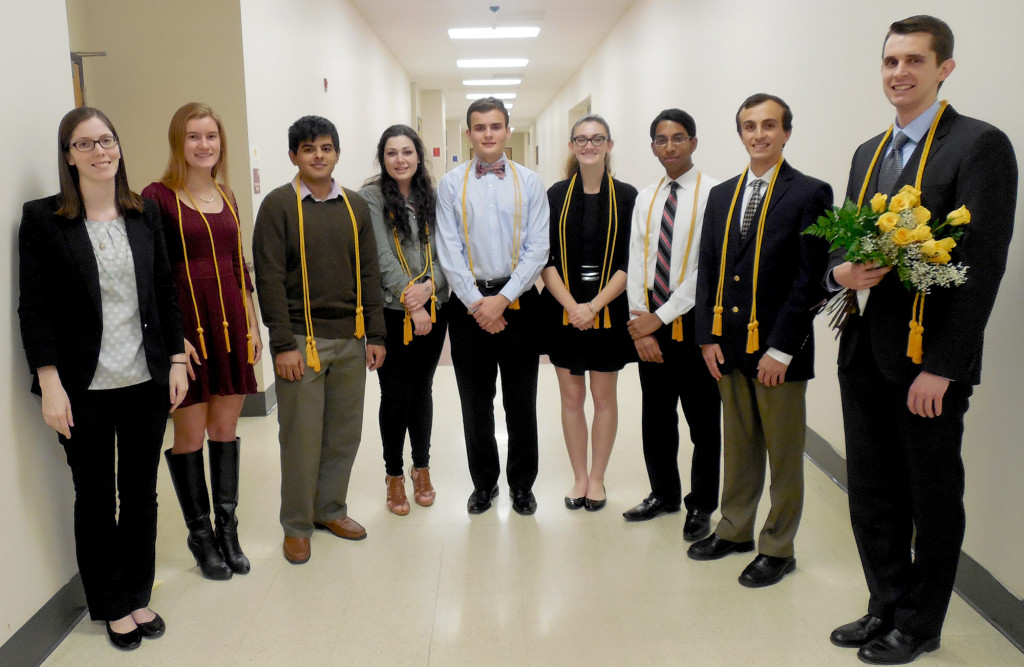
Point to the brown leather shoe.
(296, 550)
(397, 501)
(422, 487)
(346, 528)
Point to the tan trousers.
(762, 422)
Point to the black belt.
(492, 285)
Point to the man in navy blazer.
(758, 281)
(904, 421)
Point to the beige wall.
(823, 59)
(36, 497)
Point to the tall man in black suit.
(758, 279)
(904, 421)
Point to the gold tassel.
(915, 341)
(227, 337)
(753, 338)
(716, 323)
(677, 329)
(360, 324)
(565, 317)
(202, 341)
(312, 358)
(597, 321)
(607, 319)
(250, 356)
(433, 309)
(514, 305)
(407, 329)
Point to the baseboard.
(261, 403)
(976, 585)
(34, 641)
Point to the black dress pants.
(477, 357)
(116, 510)
(683, 378)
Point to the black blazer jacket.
(60, 304)
(788, 284)
(971, 163)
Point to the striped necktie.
(662, 267)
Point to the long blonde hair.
(177, 167)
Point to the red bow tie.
(498, 169)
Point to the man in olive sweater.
(319, 289)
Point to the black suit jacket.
(60, 303)
(971, 163)
(788, 282)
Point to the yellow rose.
(878, 203)
(887, 222)
(902, 236)
(946, 244)
(961, 216)
(922, 233)
(937, 251)
(914, 193)
(901, 201)
(939, 258)
(921, 215)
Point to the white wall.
(823, 58)
(36, 494)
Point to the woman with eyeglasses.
(401, 200)
(587, 313)
(222, 337)
(102, 333)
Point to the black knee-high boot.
(224, 484)
(189, 479)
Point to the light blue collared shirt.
(491, 208)
(915, 131)
(305, 191)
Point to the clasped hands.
(489, 313)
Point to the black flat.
(125, 641)
(152, 629)
(592, 505)
(574, 503)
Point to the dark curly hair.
(421, 193)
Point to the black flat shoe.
(714, 547)
(697, 526)
(860, 632)
(574, 503)
(152, 629)
(766, 570)
(480, 500)
(523, 501)
(650, 507)
(896, 648)
(125, 641)
(592, 505)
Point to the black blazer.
(60, 304)
(789, 283)
(971, 163)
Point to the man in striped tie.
(661, 283)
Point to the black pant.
(905, 474)
(115, 512)
(683, 377)
(406, 390)
(477, 356)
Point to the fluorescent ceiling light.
(500, 96)
(492, 82)
(504, 32)
(509, 106)
(493, 62)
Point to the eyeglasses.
(86, 145)
(582, 141)
(677, 140)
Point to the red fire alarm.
(437, 152)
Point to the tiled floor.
(439, 587)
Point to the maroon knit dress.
(222, 373)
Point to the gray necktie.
(892, 165)
(748, 215)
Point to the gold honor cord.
(516, 224)
(428, 265)
(915, 340)
(312, 357)
(677, 324)
(753, 337)
(611, 236)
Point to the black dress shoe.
(860, 632)
(574, 503)
(650, 507)
(523, 501)
(714, 547)
(697, 526)
(480, 500)
(152, 629)
(766, 570)
(126, 641)
(896, 648)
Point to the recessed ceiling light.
(509, 106)
(495, 32)
(493, 62)
(500, 96)
(492, 82)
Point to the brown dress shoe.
(296, 550)
(397, 501)
(422, 488)
(346, 528)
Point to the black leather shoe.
(714, 547)
(896, 648)
(574, 503)
(523, 501)
(697, 526)
(766, 570)
(592, 505)
(152, 629)
(480, 500)
(126, 641)
(650, 507)
(860, 632)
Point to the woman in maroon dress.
(202, 228)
